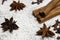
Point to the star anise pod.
(17, 6)
(58, 30)
(58, 38)
(38, 2)
(9, 25)
(56, 24)
(45, 32)
(3, 1)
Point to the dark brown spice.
(45, 32)
(58, 38)
(58, 30)
(9, 25)
(56, 24)
(17, 6)
(38, 2)
(3, 1)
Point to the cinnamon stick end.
(38, 19)
(42, 14)
(33, 14)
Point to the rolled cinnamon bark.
(53, 13)
(36, 12)
(42, 12)
(58, 4)
(49, 7)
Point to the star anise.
(45, 32)
(56, 24)
(9, 25)
(38, 2)
(58, 38)
(17, 6)
(58, 30)
(3, 1)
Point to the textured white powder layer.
(28, 25)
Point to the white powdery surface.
(28, 25)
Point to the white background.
(28, 25)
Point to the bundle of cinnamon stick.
(49, 11)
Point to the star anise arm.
(51, 33)
(44, 26)
(5, 28)
(15, 26)
(39, 32)
(6, 20)
(11, 30)
(45, 31)
(16, 8)
(3, 1)
(12, 8)
(11, 19)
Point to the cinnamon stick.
(58, 4)
(53, 13)
(49, 7)
(46, 8)
(36, 12)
